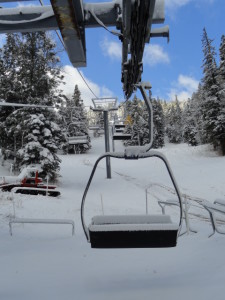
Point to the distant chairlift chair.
(119, 135)
(78, 140)
(133, 231)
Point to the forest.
(31, 74)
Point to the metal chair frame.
(121, 155)
(135, 152)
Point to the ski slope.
(46, 262)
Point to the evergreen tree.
(99, 119)
(138, 123)
(190, 133)
(159, 124)
(222, 62)
(221, 95)
(174, 122)
(33, 79)
(10, 87)
(37, 138)
(197, 114)
(134, 109)
(75, 120)
(212, 106)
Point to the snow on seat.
(135, 231)
(132, 219)
(75, 140)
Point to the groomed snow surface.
(44, 261)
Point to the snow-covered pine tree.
(174, 122)
(76, 121)
(136, 127)
(159, 124)
(222, 62)
(36, 139)
(81, 126)
(138, 123)
(189, 130)
(64, 113)
(196, 107)
(99, 119)
(221, 94)
(34, 80)
(10, 83)
(212, 106)
(40, 71)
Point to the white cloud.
(183, 88)
(154, 54)
(173, 4)
(189, 83)
(111, 48)
(105, 92)
(72, 77)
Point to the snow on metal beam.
(160, 32)
(159, 12)
(25, 105)
(27, 19)
(32, 18)
(5, 1)
(131, 17)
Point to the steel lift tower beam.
(133, 20)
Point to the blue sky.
(173, 68)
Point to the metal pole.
(102, 205)
(186, 215)
(47, 186)
(107, 146)
(146, 194)
(113, 144)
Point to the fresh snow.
(133, 227)
(131, 219)
(43, 261)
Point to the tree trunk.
(222, 145)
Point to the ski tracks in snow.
(197, 211)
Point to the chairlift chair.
(121, 137)
(133, 231)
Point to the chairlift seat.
(135, 231)
(119, 126)
(78, 140)
(121, 137)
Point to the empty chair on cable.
(133, 231)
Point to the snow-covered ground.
(46, 262)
